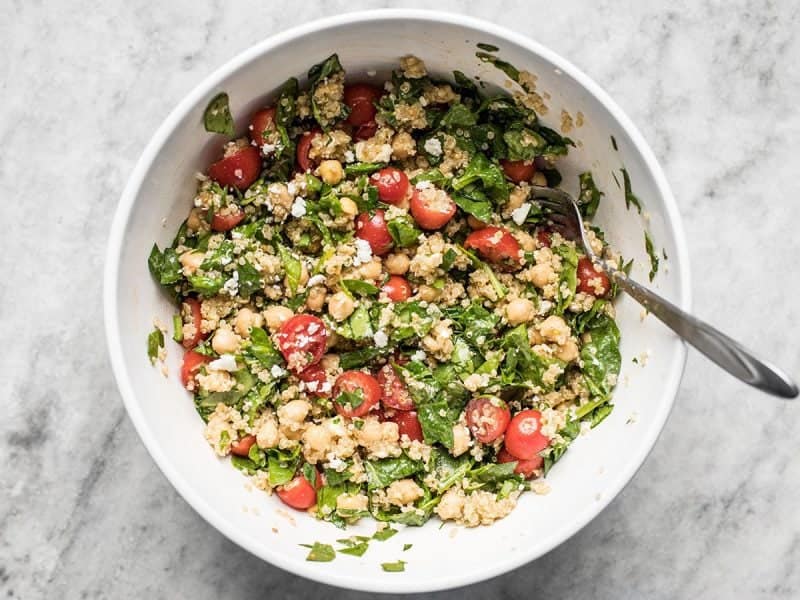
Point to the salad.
(378, 319)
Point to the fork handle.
(725, 352)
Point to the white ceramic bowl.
(594, 469)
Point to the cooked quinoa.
(378, 318)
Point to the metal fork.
(563, 211)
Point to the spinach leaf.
(350, 399)
(648, 246)
(521, 366)
(437, 419)
(292, 267)
(488, 173)
(282, 465)
(262, 349)
(467, 89)
(286, 106)
(244, 383)
(219, 257)
(474, 202)
(601, 358)
(249, 280)
(380, 473)
(243, 464)
(504, 66)
(568, 278)
(411, 320)
(556, 143)
(589, 195)
(359, 358)
(476, 322)
(362, 168)
(458, 115)
(435, 176)
(316, 76)
(155, 341)
(446, 469)
(164, 266)
(493, 473)
(217, 116)
(206, 285)
(403, 231)
(555, 451)
(524, 143)
(362, 288)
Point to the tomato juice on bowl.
(165, 417)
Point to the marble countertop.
(84, 512)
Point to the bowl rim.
(117, 235)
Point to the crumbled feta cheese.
(380, 338)
(518, 215)
(291, 187)
(433, 146)
(363, 252)
(418, 355)
(349, 156)
(336, 463)
(226, 362)
(276, 371)
(299, 207)
(232, 285)
(268, 149)
(317, 279)
(423, 185)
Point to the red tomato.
(432, 208)
(591, 280)
(496, 245)
(525, 468)
(192, 361)
(227, 222)
(373, 229)
(242, 447)
(394, 393)
(518, 170)
(392, 185)
(544, 237)
(366, 131)
(299, 493)
(197, 319)
(408, 424)
(316, 381)
(361, 113)
(261, 122)
(397, 288)
(361, 92)
(238, 169)
(487, 418)
(303, 146)
(523, 438)
(302, 340)
(356, 382)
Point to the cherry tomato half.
(193, 305)
(239, 168)
(397, 288)
(227, 222)
(242, 447)
(487, 418)
(302, 340)
(392, 185)
(544, 237)
(315, 381)
(192, 361)
(366, 131)
(361, 98)
(496, 245)
(524, 439)
(518, 170)
(408, 424)
(374, 230)
(394, 393)
(432, 208)
(303, 146)
(299, 493)
(526, 468)
(261, 122)
(364, 390)
(591, 280)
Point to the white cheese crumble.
(299, 207)
(518, 215)
(226, 362)
(317, 279)
(349, 156)
(419, 355)
(268, 149)
(232, 285)
(381, 339)
(276, 371)
(423, 185)
(433, 146)
(363, 252)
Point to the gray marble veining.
(84, 512)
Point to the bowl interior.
(596, 466)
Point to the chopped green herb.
(177, 328)
(407, 547)
(394, 567)
(648, 246)
(360, 288)
(355, 550)
(630, 198)
(320, 552)
(154, 341)
(384, 534)
(487, 47)
(614, 143)
(505, 67)
(217, 116)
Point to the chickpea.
(397, 264)
(534, 337)
(554, 329)
(428, 293)
(371, 270)
(316, 298)
(519, 310)
(294, 411)
(403, 491)
(225, 341)
(194, 221)
(403, 146)
(475, 223)
(267, 436)
(539, 179)
(340, 306)
(355, 502)
(245, 320)
(542, 274)
(568, 351)
(349, 207)
(277, 316)
(329, 362)
(461, 439)
(191, 261)
(331, 171)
